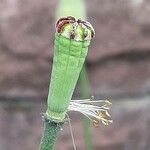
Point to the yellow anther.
(101, 114)
(95, 123)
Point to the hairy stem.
(50, 133)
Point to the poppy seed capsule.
(72, 39)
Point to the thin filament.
(71, 132)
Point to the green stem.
(50, 133)
(86, 123)
(75, 8)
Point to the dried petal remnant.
(78, 29)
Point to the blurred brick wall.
(21, 127)
(118, 61)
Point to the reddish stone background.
(21, 127)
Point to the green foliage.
(84, 88)
(75, 8)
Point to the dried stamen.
(92, 110)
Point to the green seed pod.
(72, 39)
